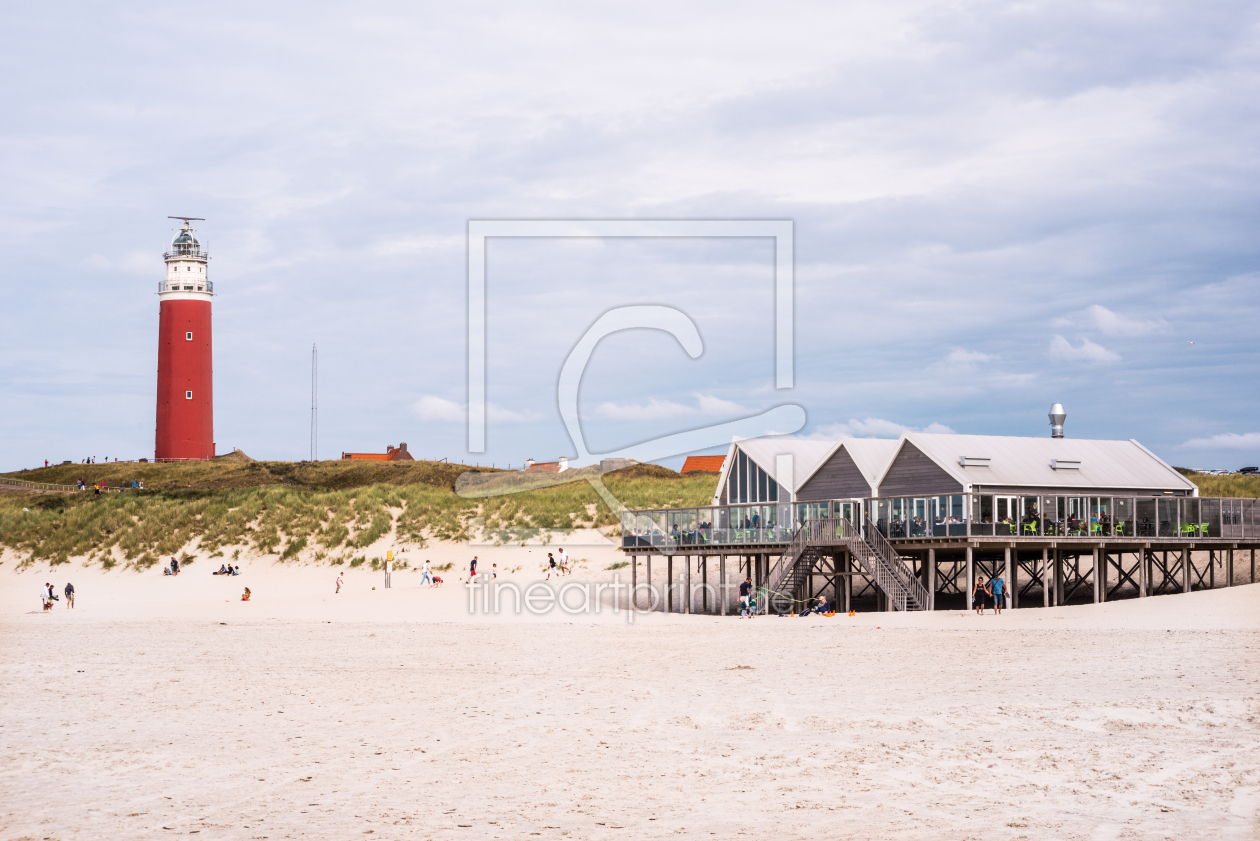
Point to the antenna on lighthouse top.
(187, 218)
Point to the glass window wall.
(1169, 521)
(1077, 520)
(897, 521)
(949, 516)
(982, 515)
(1124, 517)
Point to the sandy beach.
(165, 706)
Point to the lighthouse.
(185, 374)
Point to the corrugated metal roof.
(1026, 462)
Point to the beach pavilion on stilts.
(909, 524)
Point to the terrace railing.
(1023, 517)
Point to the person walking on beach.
(551, 566)
(494, 571)
(998, 585)
(980, 595)
(472, 569)
(174, 566)
(745, 595)
(45, 596)
(338, 590)
(69, 594)
(562, 561)
(426, 576)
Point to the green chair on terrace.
(1030, 528)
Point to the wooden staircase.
(872, 552)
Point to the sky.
(995, 207)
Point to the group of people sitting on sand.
(227, 570)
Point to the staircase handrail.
(781, 568)
(892, 558)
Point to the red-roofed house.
(558, 466)
(391, 453)
(703, 464)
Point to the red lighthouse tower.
(185, 389)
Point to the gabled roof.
(871, 455)
(1026, 462)
(807, 454)
(703, 464)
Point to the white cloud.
(1110, 323)
(872, 428)
(1061, 348)
(432, 408)
(1226, 441)
(657, 409)
(969, 358)
(134, 262)
(1114, 324)
(962, 361)
(417, 245)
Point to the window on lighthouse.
(188, 336)
(188, 395)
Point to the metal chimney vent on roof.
(1064, 464)
(974, 461)
(1057, 417)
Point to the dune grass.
(328, 511)
(1236, 486)
(333, 511)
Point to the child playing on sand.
(494, 571)
(437, 582)
(245, 595)
(339, 580)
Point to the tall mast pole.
(314, 403)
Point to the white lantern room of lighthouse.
(187, 269)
